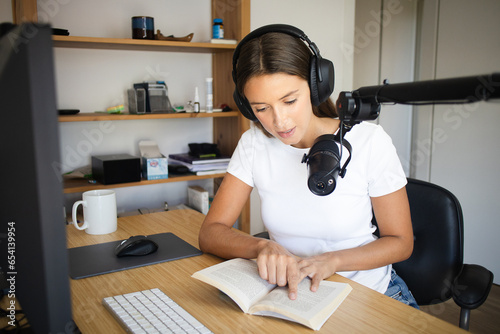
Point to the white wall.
(457, 146)
(329, 24)
(384, 48)
(92, 80)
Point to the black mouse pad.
(87, 261)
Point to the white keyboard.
(152, 311)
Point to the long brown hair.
(277, 53)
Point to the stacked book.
(200, 165)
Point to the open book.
(240, 280)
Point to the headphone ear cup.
(243, 106)
(313, 81)
(325, 87)
(321, 89)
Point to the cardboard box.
(116, 168)
(154, 164)
(155, 168)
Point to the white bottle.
(210, 95)
(196, 106)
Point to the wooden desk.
(363, 311)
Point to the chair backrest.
(438, 243)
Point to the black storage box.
(116, 168)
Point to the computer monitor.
(33, 251)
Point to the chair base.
(464, 318)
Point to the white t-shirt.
(308, 224)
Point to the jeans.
(398, 290)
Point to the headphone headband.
(281, 28)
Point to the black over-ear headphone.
(321, 77)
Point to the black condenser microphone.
(323, 162)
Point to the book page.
(239, 279)
(310, 308)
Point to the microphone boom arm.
(364, 103)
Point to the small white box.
(198, 199)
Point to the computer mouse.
(136, 246)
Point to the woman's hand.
(279, 266)
(318, 268)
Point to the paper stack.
(200, 166)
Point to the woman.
(310, 236)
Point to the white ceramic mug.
(99, 212)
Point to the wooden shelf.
(82, 185)
(139, 44)
(92, 117)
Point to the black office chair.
(435, 271)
